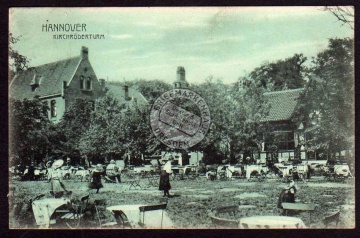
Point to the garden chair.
(76, 212)
(121, 220)
(148, 208)
(332, 216)
(100, 207)
(153, 179)
(224, 222)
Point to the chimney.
(126, 89)
(84, 52)
(180, 73)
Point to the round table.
(44, 208)
(271, 222)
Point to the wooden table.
(132, 213)
(271, 222)
(299, 207)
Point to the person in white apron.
(165, 178)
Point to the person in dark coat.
(287, 195)
(95, 182)
(31, 172)
(165, 178)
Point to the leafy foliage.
(29, 125)
(236, 119)
(282, 74)
(17, 61)
(74, 123)
(116, 130)
(328, 102)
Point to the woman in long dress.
(165, 178)
(95, 182)
(57, 185)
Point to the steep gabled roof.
(282, 104)
(119, 93)
(51, 77)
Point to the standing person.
(55, 177)
(165, 178)
(95, 181)
(31, 172)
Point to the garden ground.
(194, 198)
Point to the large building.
(59, 83)
(283, 105)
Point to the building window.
(284, 140)
(88, 84)
(53, 108)
(82, 82)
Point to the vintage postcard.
(181, 118)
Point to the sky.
(150, 43)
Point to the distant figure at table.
(95, 181)
(287, 194)
(165, 178)
(113, 171)
(55, 177)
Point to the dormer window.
(82, 82)
(53, 108)
(35, 82)
(88, 84)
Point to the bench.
(299, 207)
(333, 216)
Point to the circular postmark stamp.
(180, 118)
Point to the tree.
(65, 135)
(328, 103)
(282, 74)
(17, 61)
(344, 14)
(116, 130)
(235, 119)
(29, 124)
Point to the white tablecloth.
(44, 208)
(274, 222)
(152, 218)
(252, 168)
(286, 170)
(82, 173)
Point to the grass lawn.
(194, 198)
